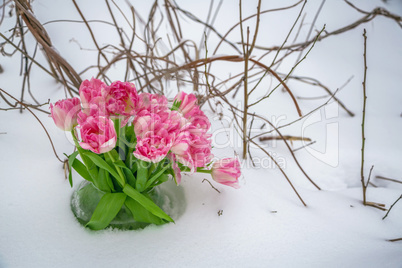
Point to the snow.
(261, 224)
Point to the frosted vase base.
(167, 196)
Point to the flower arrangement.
(129, 143)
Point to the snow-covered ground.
(263, 224)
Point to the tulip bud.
(227, 171)
(64, 113)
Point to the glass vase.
(168, 196)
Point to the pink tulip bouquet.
(129, 143)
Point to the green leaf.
(114, 153)
(163, 178)
(70, 178)
(126, 142)
(134, 168)
(72, 157)
(129, 176)
(120, 163)
(109, 181)
(156, 176)
(108, 160)
(176, 105)
(82, 170)
(131, 161)
(117, 126)
(146, 203)
(70, 175)
(129, 140)
(117, 160)
(142, 175)
(90, 166)
(102, 164)
(171, 172)
(101, 181)
(106, 210)
(122, 151)
(140, 214)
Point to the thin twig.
(40, 122)
(298, 119)
(286, 137)
(290, 150)
(41, 36)
(245, 81)
(395, 240)
(211, 185)
(370, 16)
(248, 144)
(283, 172)
(290, 31)
(89, 29)
(311, 27)
(273, 159)
(234, 108)
(308, 144)
(249, 17)
(369, 176)
(387, 179)
(14, 106)
(282, 82)
(392, 206)
(364, 187)
(376, 205)
(315, 82)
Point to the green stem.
(93, 171)
(121, 175)
(74, 138)
(156, 176)
(130, 151)
(152, 168)
(117, 124)
(199, 170)
(204, 171)
(79, 148)
(119, 132)
(122, 137)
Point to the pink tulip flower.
(91, 92)
(64, 113)
(91, 110)
(155, 133)
(192, 148)
(98, 134)
(198, 119)
(181, 150)
(227, 171)
(120, 98)
(200, 147)
(153, 148)
(190, 110)
(147, 122)
(152, 103)
(188, 102)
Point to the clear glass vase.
(168, 196)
